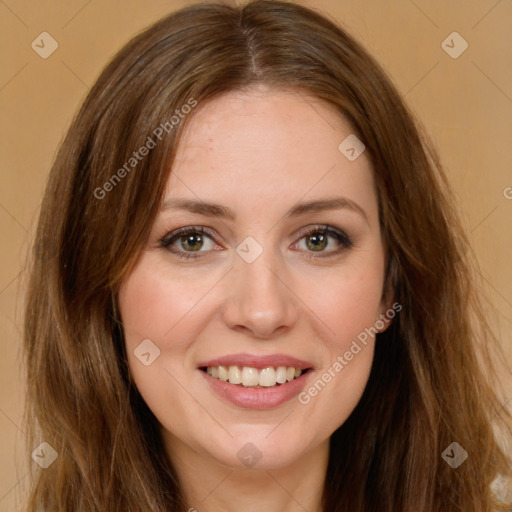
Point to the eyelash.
(167, 241)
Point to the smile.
(249, 377)
(256, 381)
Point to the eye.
(318, 238)
(184, 242)
(190, 242)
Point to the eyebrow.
(222, 212)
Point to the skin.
(258, 153)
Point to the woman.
(251, 288)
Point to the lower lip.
(257, 398)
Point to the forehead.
(273, 146)
(284, 122)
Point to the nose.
(260, 302)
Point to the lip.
(255, 361)
(257, 398)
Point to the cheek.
(349, 308)
(158, 304)
(348, 301)
(163, 308)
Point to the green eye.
(317, 239)
(189, 242)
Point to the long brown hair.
(430, 381)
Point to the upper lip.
(257, 361)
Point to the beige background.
(464, 103)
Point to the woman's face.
(282, 269)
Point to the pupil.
(189, 240)
(320, 241)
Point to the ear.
(388, 306)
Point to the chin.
(259, 448)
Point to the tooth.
(267, 377)
(250, 376)
(281, 374)
(223, 373)
(235, 376)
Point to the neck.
(210, 486)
